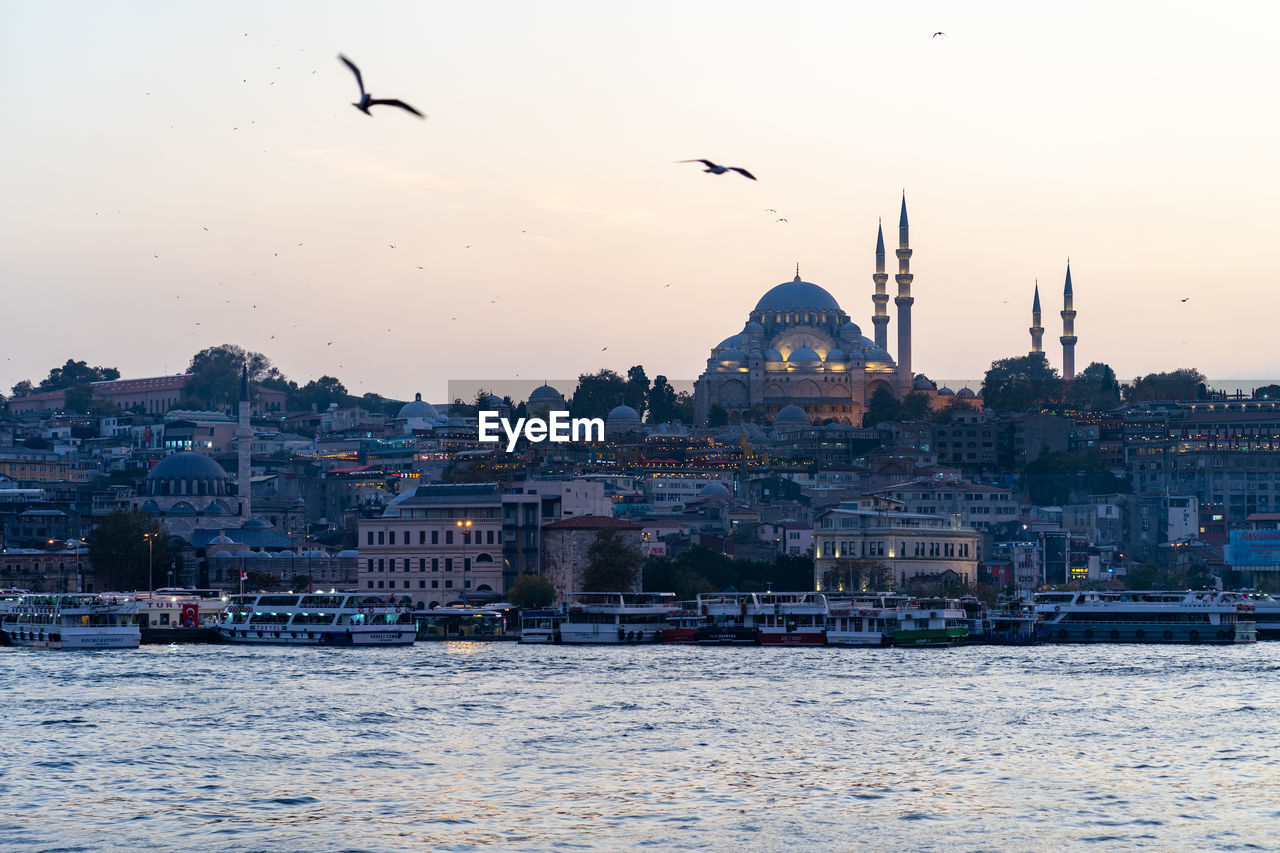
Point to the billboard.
(1254, 548)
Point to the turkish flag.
(244, 576)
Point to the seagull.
(1184, 300)
(602, 349)
(938, 33)
(717, 169)
(782, 220)
(770, 210)
(367, 101)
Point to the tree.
(947, 414)
(1018, 384)
(79, 397)
(684, 408)
(914, 407)
(118, 550)
(76, 372)
(597, 394)
(1094, 389)
(612, 565)
(319, 393)
(717, 416)
(1185, 383)
(1053, 478)
(1267, 392)
(636, 392)
(882, 407)
(23, 389)
(662, 401)
(215, 374)
(530, 591)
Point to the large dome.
(545, 393)
(188, 465)
(417, 409)
(797, 295)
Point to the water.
(455, 746)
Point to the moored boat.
(73, 621)
(866, 619)
(616, 617)
(930, 622)
(1145, 617)
(330, 619)
(791, 618)
(180, 615)
(728, 619)
(541, 627)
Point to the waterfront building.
(566, 544)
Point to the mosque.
(799, 349)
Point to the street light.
(466, 533)
(150, 537)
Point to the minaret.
(881, 298)
(904, 301)
(1068, 331)
(244, 439)
(1037, 331)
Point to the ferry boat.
(73, 621)
(727, 619)
(616, 617)
(1145, 617)
(179, 615)
(864, 620)
(683, 624)
(329, 619)
(791, 618)
(457, 622)
(1011, 624)
(1266, 615)
(930, 622)
(540, 626)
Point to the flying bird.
(782, 220)
(716, 169)
(938, 33)
(367, 101)
(1184, 300)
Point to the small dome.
(834, 426)
(773, 355)
(850, 332)
(837, 355)
(944, 391)
(867, 343)
(317, 554)
(545, 393)
(150, 507)
(713, 489)
(182, 508)
(222, 539)
(791, 415)
(492, 401)
(218, 507)
(965, 392)
(731, 342)
(188, 465)
(417, 409)
(922, 384)
(734, 355)
(797, 295)
(285, 553)
(803, 355)
(878, 355)
(223, 555)
(349, 552)
(752, 328)
(623, 415)
(256, 523)
(456, 421)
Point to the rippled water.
(457, 746)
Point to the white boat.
(728, 619)
(1266, 615)
(790, 618)
(864, 620)
(312, 619)
(174, 615)
(541, 627)
(1145, 617)
(617, 617)
(73, 621)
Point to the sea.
(480, 746)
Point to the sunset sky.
(179, 176)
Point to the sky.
(178, 176)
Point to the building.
(566, 543)
(913, 547)
(799, 348)
(441, 544)
(154, 395)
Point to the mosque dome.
(922, 384)
(965, 392)
(944, 391)
(791, 416)
(773, 355)
(285, 553)
(349, 552)
(837, 355)
(188, 473)
(317, 554)
(222, 539)
(256, 523)
(218, 507)
(752, 328)
(545, 393)
(878, 355)
(731, 355)
(804, 355)
(182, 508)
(731, 342)
(492, 401)
(150, 508)
(419, 408)
(713, 489)
(797, 295)
(850, 332)
(222, 555)
(622, 419)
